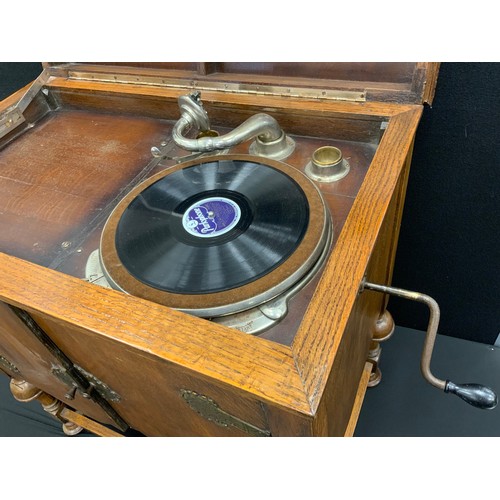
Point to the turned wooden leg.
(24, 392)
(383, 329)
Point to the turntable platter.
(216, 235)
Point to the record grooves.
(215, 235)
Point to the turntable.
(209, 237)
(199, 249)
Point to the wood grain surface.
(400, 82)
(150, 353)
(329, 312)
(62, 175)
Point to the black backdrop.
(450, 235)
(449, 242)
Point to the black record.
(212, 227)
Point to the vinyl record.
(211, 233)
(211, 228)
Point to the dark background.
(449, 243)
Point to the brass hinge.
(236, 88)
(210, 410)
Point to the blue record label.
(211, 217)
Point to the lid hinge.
(221, 86)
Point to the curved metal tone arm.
(261, 125)
(270, 141)
(475, 394)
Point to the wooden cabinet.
(80, 141)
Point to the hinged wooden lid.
(405, 83)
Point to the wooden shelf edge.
(88, 424)
(358, 402)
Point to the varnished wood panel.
(357, 71)
(265, 369)
(305, 106)
(396, 72)
(34, 362)
(61, 175)
(88, 424)
(383, 273)
(337, 291)
(358, 403)
(305, 389)
(337, 398)
(312, 123)
(339, 394)
(151, 388)
(400, 82)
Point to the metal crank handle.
(476, 395)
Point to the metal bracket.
(14, 115)
(211, 411)
(10, 121)
(5, 364)
(104, 390)
(78, 380)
